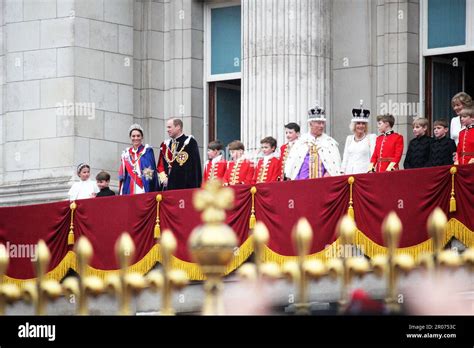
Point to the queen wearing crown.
(315, 154)
(137, 172)
(359, 145)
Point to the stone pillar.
(398, 63)
(286, 63)
(68, 98)
(169, 66)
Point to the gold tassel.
(253, 219)
(157, 233)
(70, 237)
(452, 201)
(350, 210)
(452, 204)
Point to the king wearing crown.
(315, 154)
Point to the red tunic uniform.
(215, 169)
(388, 148)
(239, 172)
(284, 151)
(465, 151)
(267, 172)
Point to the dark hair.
(80, 166)
(176, 122)
(236, 145)
(269, 140)
(386, 118)
(294, 126)
(215, 145)
(102, 176)
(441, 122)
(130, 134)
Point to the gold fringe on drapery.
(58, 273)
(143, 266)
(454, 229)
(369, 248)
(193, 271)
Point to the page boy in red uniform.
(269, 167)
(216, 165)
(239, 170)
(388, 147)
(465, 151)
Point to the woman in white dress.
(359, 145)
(460, 101)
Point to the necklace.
(360, 139)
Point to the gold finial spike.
(302, 236)
(260, 239)
(44, 288)
(167, 279)
(212, 244)
(4, 260)
(8, 292)
(124, 249)
(168, 246)
(84, 250)
(437, 228)
(84, 285)
(213, 200)
(168, 242)
(44, 256)
(392, 229)
(347, 229)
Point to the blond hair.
(462, 97)
(420, 121)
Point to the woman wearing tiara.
(360, 145)
(137, 172)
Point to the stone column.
(286, 62)
(169, 66)
(398, 63)
(68, 98)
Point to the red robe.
(388, 148)
(284, 151)
(465, 151)
(239, 172)
(214, 170)
(267, 173)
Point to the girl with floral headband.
(137, 172)
(85, 188)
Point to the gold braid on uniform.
(235, 170)
(313, 161)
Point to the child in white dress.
(85, 188)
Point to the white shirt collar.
(216, 159)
